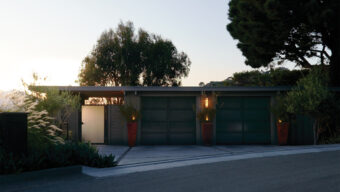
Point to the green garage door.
(243, 120)
(168, 120)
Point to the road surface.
(304, 172)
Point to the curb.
(27, 176)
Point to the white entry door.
(93, 124)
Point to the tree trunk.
(335, 48)
(315, 131)
(335, 66)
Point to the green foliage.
(41, 130)
(124, 58)
(206, 112)
(130, 113)
(274, 77)
(309, 93)
(305, 32)
(279, 109)
(308, 96)
(54, 156)
(329, 118)
(58, 104)
(55, 102)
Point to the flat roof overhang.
(103, 91)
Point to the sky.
(51, 38)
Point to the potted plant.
(131, 116)
(282, 123)
(206, 116)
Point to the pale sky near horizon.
(51, 37)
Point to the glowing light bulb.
(206, 103)
(206, 118)
(280, 121)
(133, 118)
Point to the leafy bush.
(273, 77)
(57, 103)
(309, 93)
(130, 113)
(308, 96)
(279, 109)
(206, 115)
(60, 155)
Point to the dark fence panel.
(13, 132)
(301, 131)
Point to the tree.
(273, 77)
(308, 96)
(123, 58)
(273, 31)
(58, 104)
(270, 78)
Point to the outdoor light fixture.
(133, 118)
(206, 103)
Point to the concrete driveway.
(146, 155)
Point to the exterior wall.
(73, 125)
(273, 123)
(116, 126)
(134, 100)
(116, 130)
(198, 125)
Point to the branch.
(322, 52)
(304, 63)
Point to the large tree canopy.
(302, 31)
(123, 58)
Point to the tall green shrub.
(305, 98)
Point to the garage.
(168, 120)
(243, 120)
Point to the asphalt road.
(305, 172)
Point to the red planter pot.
(207, 133)
(282, 132)
(132, 133)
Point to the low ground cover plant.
(46, 145)
(51, 156)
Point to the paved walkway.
(146, 158)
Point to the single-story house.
(168, 115)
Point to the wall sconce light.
(206, 102)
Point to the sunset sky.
(51, 38)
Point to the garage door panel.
(229, 114)
(172, 123)
(256, 102)
(256, 126)
(229, 126)
(181, 103)
(256, 138)
(154, 127)
(253, 114)
(182, 127)
(229, 138)
(243, 120)
(181, 115)
(154, 103)
(229, 103)
(154, 138)
(154, 115)
(182, 138)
